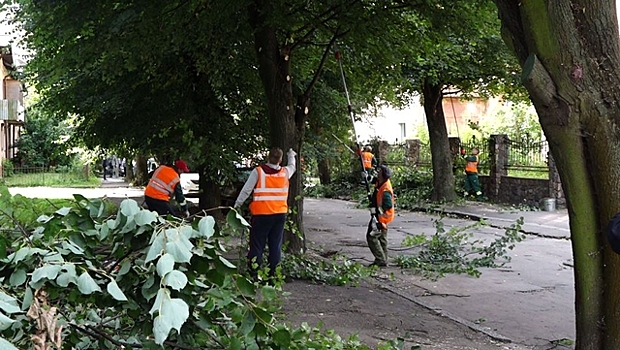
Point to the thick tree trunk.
(210, 195)
(443, 177)
(274, 70)
(570, 54)
(324, 172)
(141, 175)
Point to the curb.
(474, 217)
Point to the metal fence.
(521, 157)
(43, 176)
(527, 154)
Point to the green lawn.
(72, 179)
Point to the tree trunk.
(324, 172)
(210, 194)
(141, 175)
(570, 54)
(443, 177)
(274, 70)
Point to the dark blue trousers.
(266, 229)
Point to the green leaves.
(87, 284)
(166, 267)
(115, 291)
(172, 313)
(165, 264)
(236, 220)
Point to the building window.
(403, 131)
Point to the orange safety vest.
(367, 159)
(162, 183)
(472, 167)
(387, 215)
(270, 193)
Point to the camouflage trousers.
(377, 242)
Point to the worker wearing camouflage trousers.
(472, 183)
(383, 201)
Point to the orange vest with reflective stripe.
(270, 193)
(367, 160)
(387, 215)
(162, 183)
(472, 167)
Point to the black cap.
(613, 233)
(387, 173)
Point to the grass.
(50, 179)
(531, 174)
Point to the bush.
(8, 169)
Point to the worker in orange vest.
(165, 182)
(383, 201)
(472, 183)
(269, 184)
(369, 162)
(368, 159)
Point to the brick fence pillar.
(383, 152)
(498, 159)
(455, 146)
(413, 152)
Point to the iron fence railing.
(42, 176)
(519, 156)
(527, 154)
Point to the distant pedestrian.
(269, 183)
(164, 183)
(383, 201)
(105, 168)
(472, 183)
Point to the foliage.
(336, 271)
(342, 187)
(82, 280)
(44, 140)
(412, 186)
(516, 121)
(454, 251)
(8, 168)
(146, 77)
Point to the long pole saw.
(352, 116)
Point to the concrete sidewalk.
(547, 224)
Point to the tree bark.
(570, 54)
(274, 67)
(210, 195)
(443, 177)
(141, 175)
(324, 172)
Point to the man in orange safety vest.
(165, 182)
(383, 201)
(269, 184)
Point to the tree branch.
(19, 226)
(319, 70)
